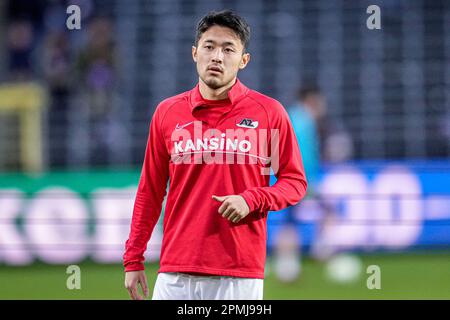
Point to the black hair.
(224, 18)
(307, 90)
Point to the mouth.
(215, 69)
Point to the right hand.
(132, 279)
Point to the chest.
(239, 131)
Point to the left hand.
(233, 208)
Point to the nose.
(218, 56)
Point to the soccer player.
(216, 145)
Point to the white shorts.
(182, 286)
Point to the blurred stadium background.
(75, 106)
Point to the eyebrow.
(226, 43)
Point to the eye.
(228, 50)
(209, 47)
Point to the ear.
(244, 61)
(194, 53)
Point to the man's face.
(219, 56)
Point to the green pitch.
(412, 276)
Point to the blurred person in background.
(96, 67)
(308, 117)
(24, 28)
(318, 141)
(57, 68)
(20, 38)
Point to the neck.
(215, 94)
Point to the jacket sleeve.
(286, 162)
(149, 197)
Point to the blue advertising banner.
(376, 205)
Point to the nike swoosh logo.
(178, 127)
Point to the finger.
(134, 293)
(130, 292)
(144, 285)
(232, 216)
(230, 210)
(137, 295)
(220, 199)
(236, 219)
(223, 207)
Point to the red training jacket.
(201, 156)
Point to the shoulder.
(164, 106)
(274, 109)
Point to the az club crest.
(247, 123)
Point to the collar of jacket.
(236, 93)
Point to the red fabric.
(212, 110)
(197, 239)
